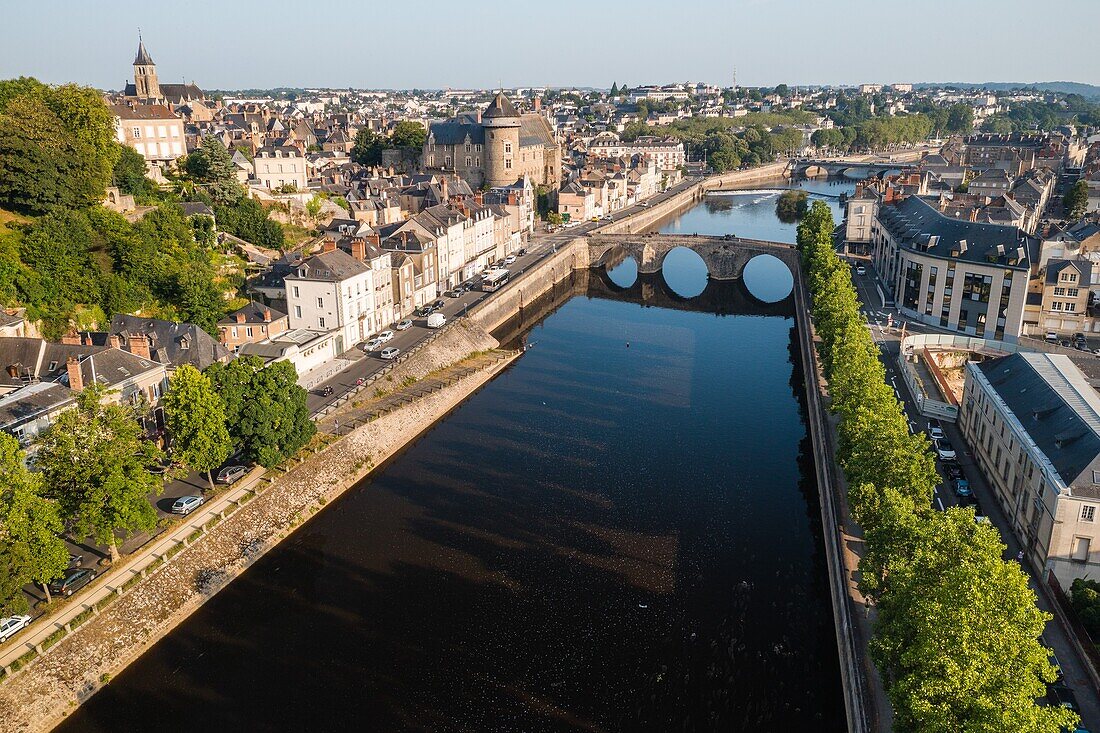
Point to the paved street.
(889, 340)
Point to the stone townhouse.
(1065, 303)
(153, 130)
(419, 249)
(276, 166)
(251, 324)
(333, 292)
(1032, 421)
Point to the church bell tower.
(145, 74)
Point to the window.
(1081, 549)
(162, 131)
(477, 161)
(137, 133)
(321, 321)
(320, 302)
(297, 311)
(1059, 291)
(1088, 513)
(508, 163)
(469, 161)
(295, 291)
(248, 331)
(1072, 292)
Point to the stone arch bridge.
(725, 257)
(809, 168)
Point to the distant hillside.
(1089, 91)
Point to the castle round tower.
(501, 123)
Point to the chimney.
(479, 117)
(329, 245)
(359, 248)
(267, 315)
(375, 238)
(72, 338)
(76, 379)
(241, 317)
(443, 188)
(139, 345)
(114, 341)
(479, 198)
(538, 103)
(13, 371)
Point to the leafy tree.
(367, 149)
(1086, 603)
(195, 418)
(30, 527)
(313, 206)
(265, 409)
(960, 119)
(211, 167)
(94, 461)
(1076, 201)
(129, 174)
(248, 220)
(792, 205)
(408, 135)
(57, 146)
(783, 90)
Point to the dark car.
(425, 311)
(72, 581)
(521, 251)
(453, 293)
(439, 304)
(954, 471)
(325, 391)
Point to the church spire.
(143, 58)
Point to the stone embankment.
(39, 696)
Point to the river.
(618, 533)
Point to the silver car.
(186, 504)
(12, 625)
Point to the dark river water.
(618, 533)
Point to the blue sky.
(437, 43)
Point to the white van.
(436, 320)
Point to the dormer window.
(185, 343)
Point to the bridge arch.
(815, 171)
(767, 278)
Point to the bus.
(494, 279)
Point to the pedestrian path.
(382, 403)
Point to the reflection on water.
(751, 213)
(619, 533)
(768, 278)
(685, 272)
(625, 273)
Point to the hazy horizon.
(253, 45)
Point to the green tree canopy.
(30, 529)
(1076, 200)
(195, 417)
(95, 460)
(368, 146)
(211, 167)
(129, 175)
(57, 146)
(265, 409)
(408, 135)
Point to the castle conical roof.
(500, 107)
(143, 58)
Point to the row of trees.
(874, 133)
(93, 464)
(957, 634)
(724, 146)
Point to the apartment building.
(333, 291)
(153, 130)
(964, 276)
(280, 165)
(1032, 421)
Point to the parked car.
(385, 336)
(373, 344)
(954, 471)
(230, 474)
(439, 304)
(390, 352)
(436, 320)
(510, 260)
(1052, 336)
(325, 391)
(861, 270)
(521, 252)
(186, 504)
(935, 430)
(425, 311)
(962, 487)
(404, 325)
(72, 581)
(944, 450)
(452, 293)
(12, 625)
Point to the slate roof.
(143, 112)
(454, 132)
(1053, 401)
(253, 313)
(500, 107)
(173, 344)
(335, 266)
(919, 226)
(143, 58)
(1084, 267)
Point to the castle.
(494, 148)
(147, 89)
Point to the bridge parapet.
(725, 257)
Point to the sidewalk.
(51, 628)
